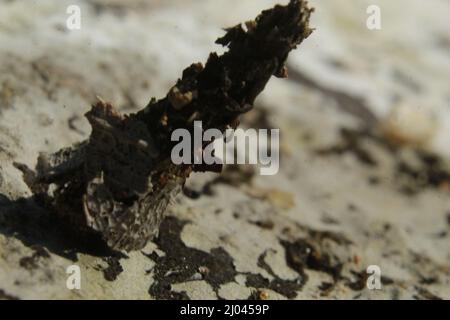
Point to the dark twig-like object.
(120, 181)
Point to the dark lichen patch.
(267, 224)
(431, 172)
(263, 264)
(114, 268)
(315, 251)
(181, 262)
(428, 280)
(421, 171)
(424, 294)
(302, 254)
(325, 288)
(232, 175)
(288, 288)
(32, 262)
(319, 236)
(386, 281)
(359, 282)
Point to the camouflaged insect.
(119, 183)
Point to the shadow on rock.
(29, 222)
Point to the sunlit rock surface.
(364, 176)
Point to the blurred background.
(364, 119)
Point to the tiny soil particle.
(263, 295)
(258, 295)
(203, 270)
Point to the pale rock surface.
(308, 232)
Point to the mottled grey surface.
(364, 177)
